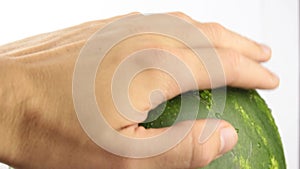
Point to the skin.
(39, 126)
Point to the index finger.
(222, 37)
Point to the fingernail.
(266, 49)
(228, 137)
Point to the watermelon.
(259, 145)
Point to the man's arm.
(38, 123)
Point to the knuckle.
(182, 15)
(215, 30)
(216, 26)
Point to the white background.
(273, 22)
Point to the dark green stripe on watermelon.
(259, 145)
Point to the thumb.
(194, 151)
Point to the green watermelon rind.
(259, 145)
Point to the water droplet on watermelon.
(258, 145)
(218, 115)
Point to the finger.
(224, 38)
(237, 70)
(241, 71)
(191, 152)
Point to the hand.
(38, 120)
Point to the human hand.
(41, 128)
